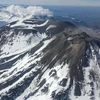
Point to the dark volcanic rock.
(62, 63)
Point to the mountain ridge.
(58, 62)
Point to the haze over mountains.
(44, 57)
(80, 15)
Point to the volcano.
(49, 60)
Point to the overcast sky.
(53, 2)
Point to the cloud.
(15, 12)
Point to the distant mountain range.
(10, 13)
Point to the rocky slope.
(49, 60)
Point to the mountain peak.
(53, 60)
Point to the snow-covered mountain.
(13, 13)
(49, 60)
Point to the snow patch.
(20, 43)
(51, 26)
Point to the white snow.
(29, 26)
(86, 86)
(21, 43)
(22, 65)
(50, 27)
(53, 82)
(42, 24)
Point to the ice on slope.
(51, 82)
(21, 65)
(28, 26)
(89, 85)
(50, 27)
(21, 43)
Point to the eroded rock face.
(53, 63)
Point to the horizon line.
(52, 5)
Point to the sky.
(54, 2)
